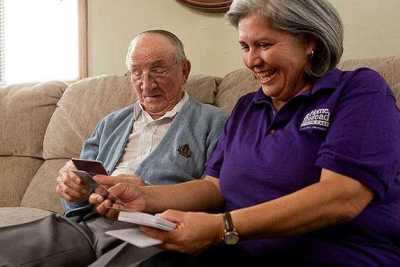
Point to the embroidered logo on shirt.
(185, 151)
(316, 119)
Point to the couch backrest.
(27, 121)
(85, 102)
(25, 111)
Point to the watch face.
(231, 238)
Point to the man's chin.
(152, 101)
(155, 109)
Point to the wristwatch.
(231, 236)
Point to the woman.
(306, 166)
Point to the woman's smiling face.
(277, 58)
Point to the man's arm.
(73, 192)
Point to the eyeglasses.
(157, 72)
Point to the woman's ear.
(310, 47)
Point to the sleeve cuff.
(353, 170)
(211, 172)
(76, 209)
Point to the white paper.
(135, 237)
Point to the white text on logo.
(316, 119)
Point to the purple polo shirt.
(348, 123)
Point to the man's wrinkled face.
(156, 73)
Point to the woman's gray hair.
(175, 41)
(317, 20)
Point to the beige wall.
(211, 44)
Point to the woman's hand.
(69, 186)
(113, 180)
(195, 231)
(124, 189)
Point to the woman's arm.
(195, 195)
(334, 199)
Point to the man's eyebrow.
(158, 62)
(152, 64)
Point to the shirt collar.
(138, 110)
(328, 82)
(261, 98)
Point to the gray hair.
(175, 41)
(317, 20)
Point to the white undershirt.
(146, 134)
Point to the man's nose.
(148, 81)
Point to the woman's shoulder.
(364, 74)
(248, 98)
(366, 80)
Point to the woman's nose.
(252, 58)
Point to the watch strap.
(228, 223)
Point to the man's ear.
(186, 69)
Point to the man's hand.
(69, 186)
(117, 185)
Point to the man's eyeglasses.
(157, 72)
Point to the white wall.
(371, 27)
(371, 30)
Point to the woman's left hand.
(194, 233)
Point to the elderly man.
(163, 138)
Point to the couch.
(45, 124)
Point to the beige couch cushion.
(41, 191)
(203, 88)
(15, 175)
(20, 215)
(83, 104)
(234, 85)
(25, 111)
